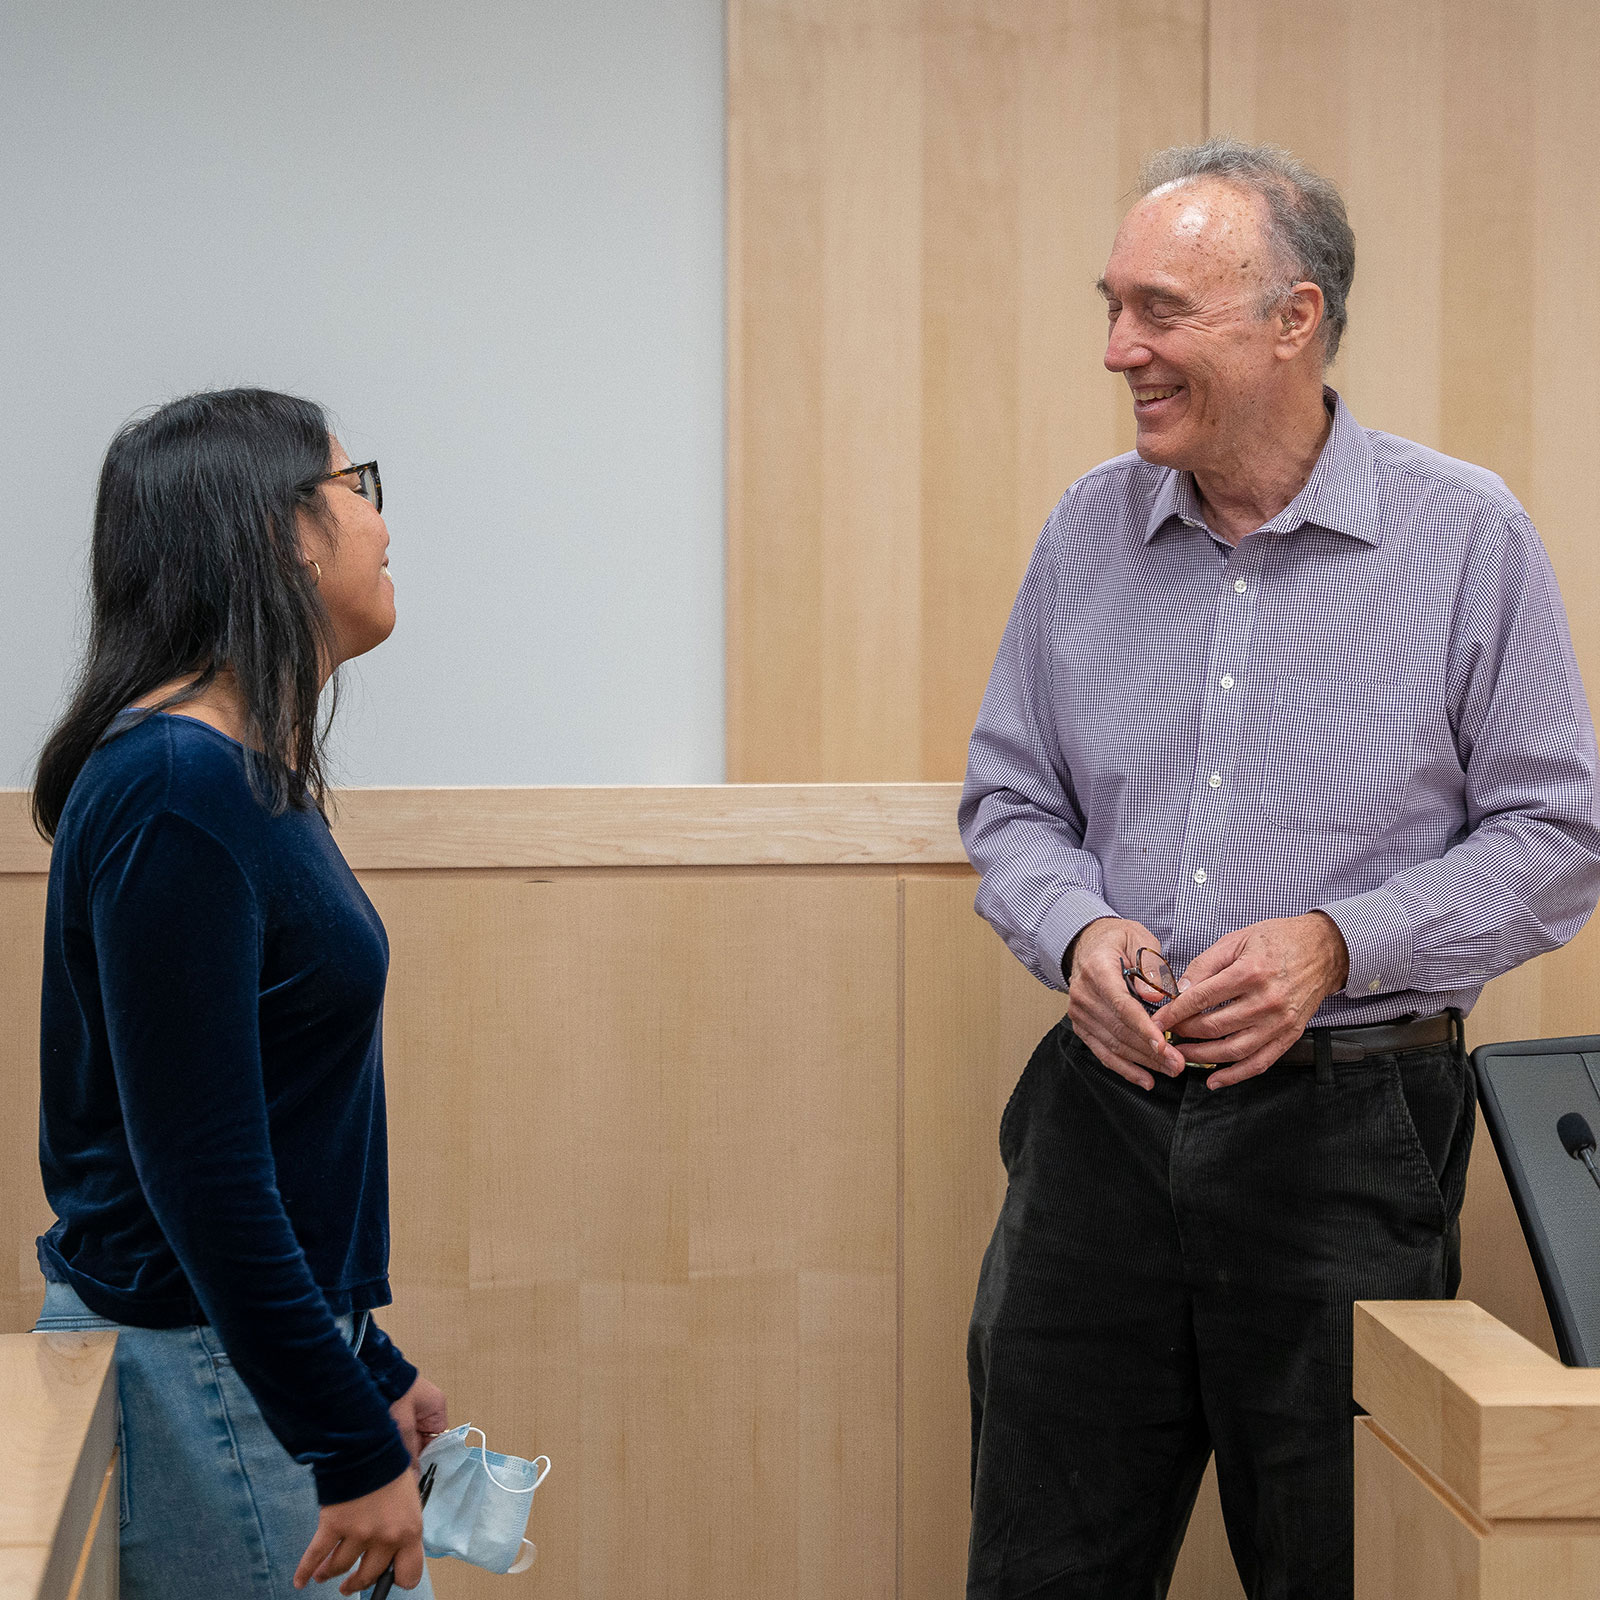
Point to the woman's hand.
(420, 1413)
(367, 1534)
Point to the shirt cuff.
(1379, 936)
(1069, 914)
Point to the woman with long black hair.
(212, 1116)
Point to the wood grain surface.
(56, 1449)
(921, 195)
(1475, 1469)
(846, 824)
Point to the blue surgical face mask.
(479, 1504)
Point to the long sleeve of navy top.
(212, 1131)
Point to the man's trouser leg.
(1089, 1437)
(1297, 1193)
(1177, 1267)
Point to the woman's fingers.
(365, 1535)
(323, 1543)
(340, 1559)
(374, 1563)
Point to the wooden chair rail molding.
(815, 824)
(58, 1475)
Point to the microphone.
(1577, 1139)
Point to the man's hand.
(1120, 1032)
(366, 1535)
(1253, 992)
(420, 1413)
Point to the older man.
(1292, 704)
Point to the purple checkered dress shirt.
(1369, 707)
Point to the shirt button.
(1239, 586)
(1373, 987)
(1226, 680)
(1200, 876)
(1215, 780)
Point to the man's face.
(1183, 293)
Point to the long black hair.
(195, 569)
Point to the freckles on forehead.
(1201, 233)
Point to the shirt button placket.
(1235, 617)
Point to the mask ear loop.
(483, 1451)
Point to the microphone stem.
(1588, 1161)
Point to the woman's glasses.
(1150, 968)
(366, 483)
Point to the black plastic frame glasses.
(368, 484)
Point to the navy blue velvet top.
(212, 1127)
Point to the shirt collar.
(1340, 494)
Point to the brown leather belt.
(1377, 1038)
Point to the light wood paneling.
(921, 193)
(724, 825)
(56, 1451)
(22, 1202)
(100, 1561)
(645, 1136)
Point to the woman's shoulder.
(159, 765)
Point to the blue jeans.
(212, 1504)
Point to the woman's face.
(354, 580)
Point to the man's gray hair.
(1307, 226)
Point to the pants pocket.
(1435, 1107)
(1013, 1120)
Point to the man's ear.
(1299, 316)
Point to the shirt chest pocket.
(1335, 762)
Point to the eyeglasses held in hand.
(1150, 968)
(366, 482)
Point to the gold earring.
(317, 570)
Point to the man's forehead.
(1181, 231)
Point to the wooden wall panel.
(22, 1203)
(921, 194)
(645, 1135)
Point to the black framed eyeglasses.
(366, 482)
(1150, 968)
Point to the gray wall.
(488, 237)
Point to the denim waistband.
(65, 1312)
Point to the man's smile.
(1148, 399)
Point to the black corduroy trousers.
(1172, 1274)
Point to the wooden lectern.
(1478, 1465)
